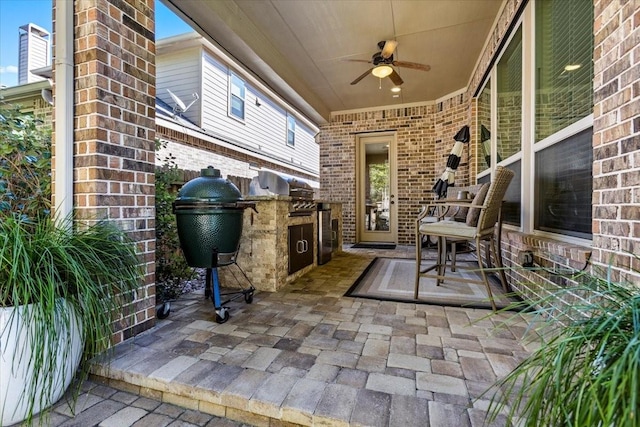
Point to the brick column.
(114, 130)
(616, 137)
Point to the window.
(291, 130)
(512, 207)
(508, 144)
(540, 100)
(563, 183)
(563, 97)
(484, 128)
(509, 90)
(236, 96)
(564, 69)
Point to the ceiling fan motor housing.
(378, 59)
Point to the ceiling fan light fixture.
(382, 71)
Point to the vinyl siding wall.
(264, 128)
(180, 72)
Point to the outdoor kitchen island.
(278, 245)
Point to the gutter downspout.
(63, 108)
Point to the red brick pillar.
(616, 137)
(114, 130)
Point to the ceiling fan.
(382, 62)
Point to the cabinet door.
(300, 247)
(334, 235)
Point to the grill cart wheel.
(248, 297)
(222, 315)
(164, 310)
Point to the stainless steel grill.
(269, 183)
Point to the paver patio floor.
(308, 355)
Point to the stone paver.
(302, 400)
(406, 361)
(376, 348)
(268, 398)
(238, 393)
(173, 368)
(447, 415)
(371, 408)
(261, 358)
(440, 383)
(336, 405)
(408, 411)
(306, 355)
(477, 369)
(124, 417)
(391, 384)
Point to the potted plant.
(587, 370)
(62, 283)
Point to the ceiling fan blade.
(362, 76)
(368, 61)
(395, 78)
(412, 65)
(389, 48)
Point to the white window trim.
(291, 117)
(230, 75)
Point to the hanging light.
(382, 71)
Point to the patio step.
(229, 392)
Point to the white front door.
(376, 207)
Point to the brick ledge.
(571, 251)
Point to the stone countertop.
(274, 197)
(283, 198)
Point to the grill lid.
(269, 183)
(208, 188)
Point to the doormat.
(392, 279)
(374, 246)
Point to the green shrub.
(25, 166)
(587, 370)
(51, 268)
(171, 267)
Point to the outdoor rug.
(374, 246)
(392, 279)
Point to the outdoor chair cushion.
(474, 213)
(461, 213)
(449, 228)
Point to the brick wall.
(616, 139)
(424, 136)
(114, 52)
(192, 153)
(424, 143)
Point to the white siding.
(265, 125)
(33, 53)
(181, 73)
(307, 150)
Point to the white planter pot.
(16, 338)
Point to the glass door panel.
(376, 198)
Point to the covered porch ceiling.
(301, 49)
